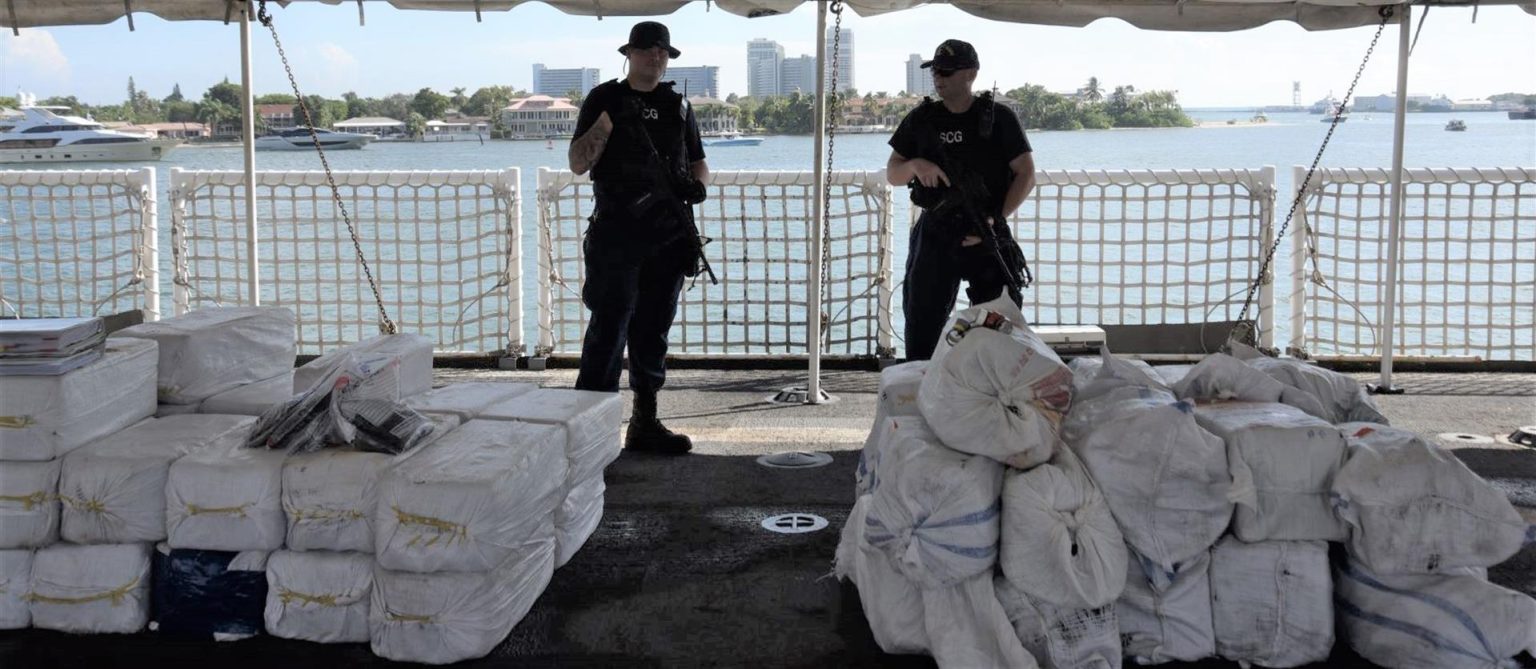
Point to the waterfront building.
(378, 126)
(701, 80)
(539, 117)
(715, 116)
(558, 81)
(919, 80)
(798, 75)
(765, 59)
(843, 60)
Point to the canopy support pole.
(248, 142)
(1394, 223)
(818, 210)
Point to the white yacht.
(42, 135)
(298, 139)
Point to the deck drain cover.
(1525, 435)
(1466, 438)
(794, 460)
(794, 523)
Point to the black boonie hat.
(647, 34)
(954, 54)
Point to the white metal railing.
(444, 247)
(760, 224)
(1466, 264)
(78, 243)
(1146, 247)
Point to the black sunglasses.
(943, 72)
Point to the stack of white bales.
(979, 476)
(43, 419)
(321, 585)
(588, 427)
(208, 352)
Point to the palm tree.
(1093, 92)
(213, 112)
(458, 98)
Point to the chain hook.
(262, 16)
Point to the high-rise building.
(699, 80)
(919, 80)
(765, 59)
(798, 74)
(843, 58)
(558, 82)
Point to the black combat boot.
(646, 434)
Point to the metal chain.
(826, 184)
(386, 326)
(1301, 189)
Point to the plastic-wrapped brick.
(91, 589)
(1283, 463)
(320, 596)
(226, 499)
(466, 400)
(45, 417)
(29, 504)
(211, 350)
(15, 583)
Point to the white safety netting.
(1466, 266)
(78, 243)
(761, 226)
(444, 248)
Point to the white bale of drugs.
(393, 366)
(588, 423)
(1060, 543)
(168, 410)
(45, 417)
(471, 498)
(91, 589)
(29, 504)
(936, 511)
(1165, 614)
(226, 499)
(1433, 621)
(320, 596)
(1412, 507)
(1172, 374)
(444, 617)
(251, 399)
(1272, 602)
(994, 388)
(15, 583)
(1061, 638)
(892, 604)
(329, 498)
(467, 400)
(1165, 479)
(899, 386)
(1086, 369)
(1341, 398)
(211, 350)
(1288, 459)
(578, 518)
(113, 489)
(969, 628)
(1224, 377)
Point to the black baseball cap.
(647, 34)
(954, 54)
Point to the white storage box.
(578, 518)
(936, 510)
(471, 499)
(395, 366)
(1272, 602)
(994, 388)
(251, 399)
(1062, 638)
(1165, 479)
(113, 490)
(1165, 615)
(1289, 460)
(91, 589)
(466, 400)
(588, 422)
(445, 617)
(15, 583)
(1414, 508)
(29, 504)
(1434, 621)
(226, 499)
(320, 596)
(44, 417)
(1060, 544)
(208, 351)
(329, 498)
(892, 604)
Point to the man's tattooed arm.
(588, 148)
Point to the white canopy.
(1193, 15)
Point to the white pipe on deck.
(818, 207)
(248, 142)
(1394, 224)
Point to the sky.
(398, 51)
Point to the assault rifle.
(960, 204)
(675, 187)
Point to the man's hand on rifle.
(693, 191)
(972, 240)
(928, 173)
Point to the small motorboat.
(1456, 125)
(732, 140)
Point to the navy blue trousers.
(936, 263)
(631, 293)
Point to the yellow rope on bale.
(28, 502)
(85, 505)
(116, 596)
(17, 421)
(290, 596)
(193, 509)
(454, 530)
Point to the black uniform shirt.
(932, 123)
(626, 157)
